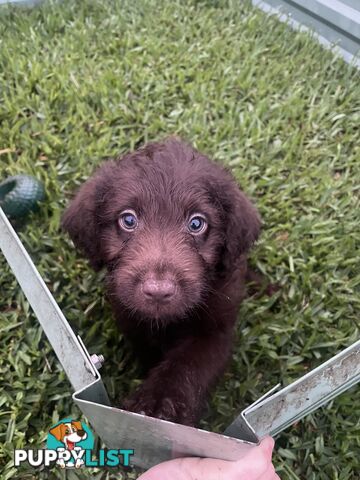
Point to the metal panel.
(343, 18)
(335, 22)
(20, 2)
(353, 4)
(154, 440)
(277, 412)
(58, 331)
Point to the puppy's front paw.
(171, 406)
(175, 409)
(140, 402)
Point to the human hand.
(255, 465)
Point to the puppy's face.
(162, 220)
(161, 239)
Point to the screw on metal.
(97, 360)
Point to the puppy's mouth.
(160, 311)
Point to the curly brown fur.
(174, 291)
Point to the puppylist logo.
(69, 445)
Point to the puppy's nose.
(159, 289)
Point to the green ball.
(20, 195)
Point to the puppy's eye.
(128, 220)
(197, 224)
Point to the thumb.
(267, 445)
(256, 461)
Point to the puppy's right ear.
(79, 220)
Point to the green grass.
(82, 82)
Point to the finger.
(267, 444)
(254, 463)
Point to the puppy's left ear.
(242, 227)
(80, 221)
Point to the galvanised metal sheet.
(275, 413)
(335, 22)
(58, 331)
(154, 440)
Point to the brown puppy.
(172, 229)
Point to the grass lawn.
(82, 82)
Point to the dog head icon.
(69, 433)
